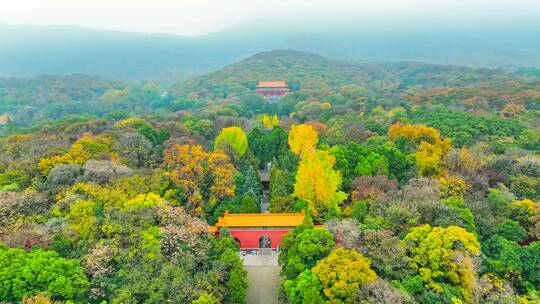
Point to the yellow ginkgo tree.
(431, 148)
(342, 273)
(303, 138)
(317, 183)
(269, 122)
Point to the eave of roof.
(272, 84)
(261, 220)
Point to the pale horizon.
(187, 18)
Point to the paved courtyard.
(263, 277)
(263, 284)
(262, 258)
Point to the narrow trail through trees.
(263, 269)
(264, 175)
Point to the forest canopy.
(420, 184)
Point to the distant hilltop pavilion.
(272, 90)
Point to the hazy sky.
(195, 17)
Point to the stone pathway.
(264, 175)
(263, 277)
(265, 205)
(262, 268)
(263, 284)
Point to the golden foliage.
(190, 166)
(144, 201)
(444, 254)
(131, 123)
(112, 96)
(526, 204)
(82, 219)
(269, 122)
(326, 106)
(453, 187)
(342, 273)
(38, 299)
(431, 147)
(303, 138)
(467, 160)
(513, 109)
(414, 133)
(188, 171)
(222, 172)
(80, 152)
(317, 182)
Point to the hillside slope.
(315, 71)
(316, 81)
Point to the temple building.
(272, 90)
(258, 230)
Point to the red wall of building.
(249, 239)
(273, 93)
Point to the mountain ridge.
(35, 50)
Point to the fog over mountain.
(36, 50)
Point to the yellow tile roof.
(260, 220)
(271, 84)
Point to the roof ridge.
(287, 219)
(227, 213)
(272, 83)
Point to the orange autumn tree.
(430, 146)
(202, 175)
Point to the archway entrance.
(238, 242)
(265, 242)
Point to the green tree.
(268, 146)
(205, 298)
(157, 138)
(386, 252)
(308, 247)
(508, 259)
(249, 183)
(305, 289)
(511, 230)
(280, 183)
(30, 273)
(248, 205)
(233, 140)
(236, 276)
(529, 139)
(443, 256)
